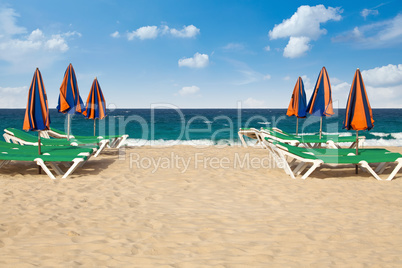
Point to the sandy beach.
(210, 207)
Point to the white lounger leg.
(56, 168)
(122, 140)
(102, 146)
(396, 169)
(243, 142)
(366, 165)
(316, 164)
(298, 167)
(40, 163)
(381, 167)
(76, 163)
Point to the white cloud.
(383, 76)
(253, 103)
(267, 48)
(343, 87)
(56, 43)
(385, 97)
(116, 34)
(267, 77)
(189, 90)
(8, 25)
(28, 51)
(303, 26)
(69, 34)
(234, 46)
(366, 12)
(306, 21)
(186, 32)
(375, 35)
(198, 61)
(11, 97)
(146, 32)
(286, 78)
(152, 32)
(297, 47)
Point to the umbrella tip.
(358, 69)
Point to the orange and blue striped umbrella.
(359, 115)
(297, 105)
(96, 105)
(37, 111)
(69, 99)
(320, 103)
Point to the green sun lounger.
(251, 133)
(90, 150)
(41, 160)
(287, 155)
(311, 141)
(21, 137)
(116, 141)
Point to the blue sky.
(201, 53)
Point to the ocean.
(210, 126)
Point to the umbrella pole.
(320, 127)
(39, 151)
(68, 127)
(95, 127)
(297, 126)
(357, 149)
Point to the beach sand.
(229, 208)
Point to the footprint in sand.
(1, 244)
(73, 233)
(134, 250)
(133, 204)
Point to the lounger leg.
(366, 165)
(243, 142)
(122, 140)
(56, 168)
(6, 137)
(316, 164)
(40, 163)
(76, 163)
(331, 144)
(396, 169)
(102, 146)
(302, 169)
(381, 167)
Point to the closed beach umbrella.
(320, 103)
(37, 111)
(297, 105)
(69, 99)
(96, 105)
(359, 115)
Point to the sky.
(201, 53)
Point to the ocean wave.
(264, 123)
(168, 143)
(206, 142)
(383, 142)
(396, 135)
(379, 134)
